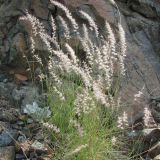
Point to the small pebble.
(29, 121)
(20, 123)
(21, 139)
(20, 157)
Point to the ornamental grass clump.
(79, 90)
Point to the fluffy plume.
(66, 30)
(122, 48)
(91, 22)
(68, 14)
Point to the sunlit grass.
(98, 126)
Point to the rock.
(155, 105)
(8, 112)
(39, 136)
(8, 9)
(7, 134)
(40, 9)
(46, 157)
(39, 147)
(8, 115)
(35, 111)
(7, 153)
(150, 137)
(30, 121)
(141, 61)
(19, 43)
(21, 94)
(2, 77)
(156, 115)
(21, 123)
(147, 8)
(6, 89)
(4, 103)
(27, 132)
(147, 137)
(155, 150)
(158, 106)
(133, 134)
(157, 157)
(7, 137)
(22, 139)
(100, 8)
(16, 127)
(20, 77)
(28, 93)
(23, 147)
(20, 157)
